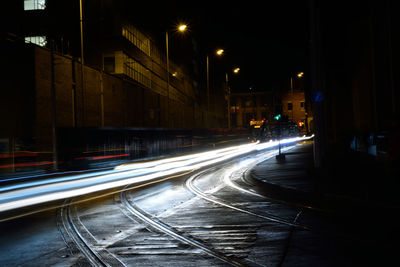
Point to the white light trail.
(77, 185)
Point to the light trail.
(245, 164)
(127, 174)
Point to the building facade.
(252, 106)
(123, 83)
(115, 44)
(296, 109)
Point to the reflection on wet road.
(169, 222)
(27, 194)
(210, 216)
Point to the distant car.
(266, 131)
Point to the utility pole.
(53, 108)
(73, 93)
(228, 92)
(82, 67)
(208, 92)
(166, 44)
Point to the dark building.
(355, 76)
(116, 42)
(123, 83)
(252, 106)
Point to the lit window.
(34, 4)
(136, 38)
(136, 71)
(38, 40)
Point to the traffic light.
(277, 117)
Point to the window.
(290, 106)
(38, 40)
(137, 71)
(109, 64)
(120, 63)
(137, 38)
(302, 105)
(34, 4)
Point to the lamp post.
(280, 156)
(181, 28)
(208, 90)
(218, 52)
(228, 91)
(166, 42)
(299, 76)
(82, 66)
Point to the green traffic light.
(277, 117)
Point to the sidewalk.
(365, 225)
(348, 182)
(291, 180)
(292, 173)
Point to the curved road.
(203, 216)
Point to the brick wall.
(110, 101)
(297, 113)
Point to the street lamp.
(299, 75)
(235, 71)
(82, 66)
(181, 28)
(218, 52)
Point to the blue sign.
(317, 97)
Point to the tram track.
(245, 183)
(194, 237)
(208, 215)
(74, 230)
(219, 249)
(159, 225)
(227, 180)
(189, 183)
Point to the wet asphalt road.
(210, 217)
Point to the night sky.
(267, 40)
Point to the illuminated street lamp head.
(236, 70)
(220, 52)
(300, 74)
(182, 27)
